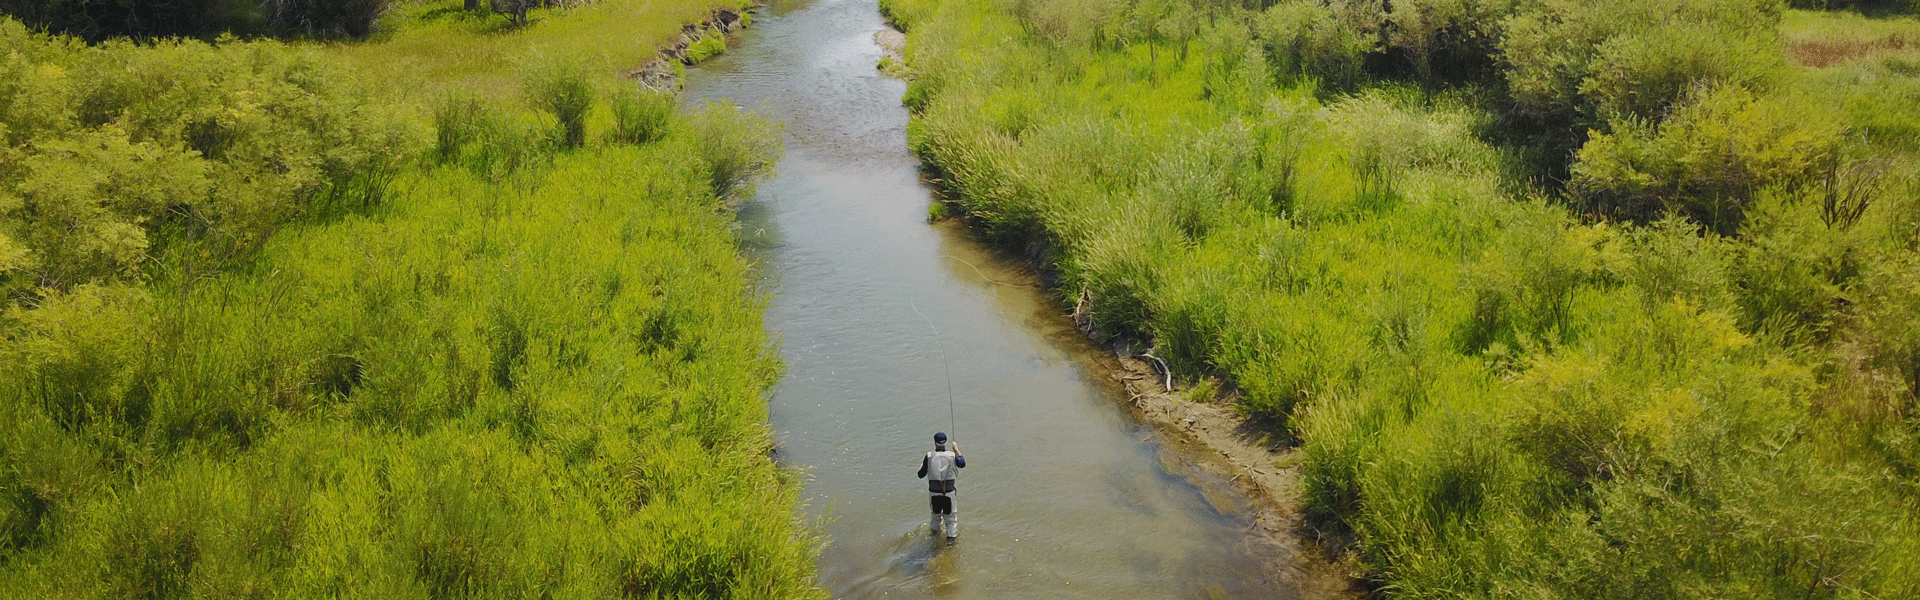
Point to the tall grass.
(639, 116)
(1494, 393)
(532, 368)
(433, 48)
(562, 88)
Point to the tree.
(514, 10)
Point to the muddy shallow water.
(1065, 495)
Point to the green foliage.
(204, 19)
(1710, 157)
(640, 116)
(1447, 40)
(1492, 395)
(476, 359)
(248, 348)
(1309, 39)
(1858, 5)
(1591, 59)
(1575, 67)
(561, 88)
(708, 46)
(457, 122)
(734, 145)
(491, 140)
(124, 157)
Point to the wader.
(940, 474)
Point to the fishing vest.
(940, 472)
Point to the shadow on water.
(1065, 495)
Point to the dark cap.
(940, 437)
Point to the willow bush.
(1648, 382)
(270, 331)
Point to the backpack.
(940, 472)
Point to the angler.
(939, 468)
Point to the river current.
(878, 314)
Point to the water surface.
(1065, 495)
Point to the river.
(1065, 495)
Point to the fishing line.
(951, 423)
(983, 275)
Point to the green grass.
(1495, 392)
(430, 47)
(466, 344)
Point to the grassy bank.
(1556, 299)
(275, 327)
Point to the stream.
(1066, 494)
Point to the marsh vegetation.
(276, 324)
(1556, 299)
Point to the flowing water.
(1065, 495)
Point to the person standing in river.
(939, 468)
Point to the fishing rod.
(951, 423)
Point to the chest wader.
(940, 474)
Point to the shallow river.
(1065, 495)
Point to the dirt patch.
(893, 52)
(1257, 465)
(1820, 54)
(891, 40)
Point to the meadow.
(1555, 299)
(452, 311)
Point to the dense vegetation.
(99, 20)
(206, 19)
(268, 329)
(1558, 299)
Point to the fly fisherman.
(939, 468)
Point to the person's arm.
(923, 467)
(959, 460)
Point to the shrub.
(1673, 258)
(203, 19)
(458, 121)
(1309, 39)
(707, 46)
(323, 18)
(1709, 158)
(561, 88)
(1523, 287)
(1447, 40)
(640, 116)
(1572, 67)
(735, 145)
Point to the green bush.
(640, 116)
(457, 122)
(1447, 41)
(203, 19)
(1309, 39)
(127, 152)
(562, 89)
(1493, 393)
(268, 355)
(735, 146)
(1710, 158)
(707, 46)
(1586, 59)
